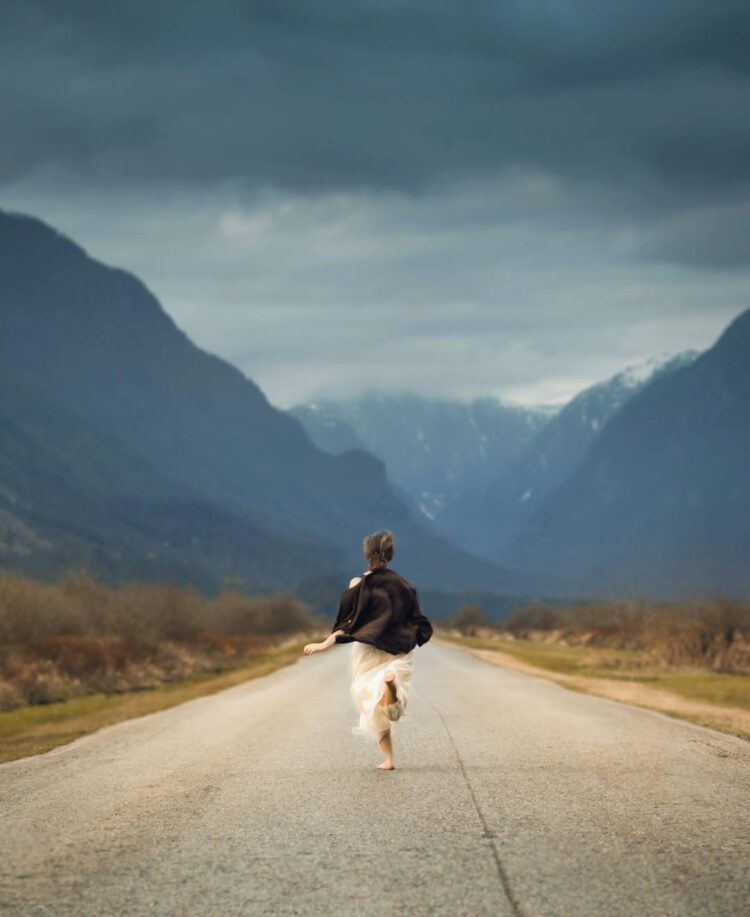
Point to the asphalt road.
(511, 796)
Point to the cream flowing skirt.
(369, 666)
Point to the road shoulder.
(35, 730)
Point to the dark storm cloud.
(462, 198)
(321, 95)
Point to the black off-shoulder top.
(382, 609)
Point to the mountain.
(325, 425)
(124, 436)
(437, 452)
(70, 496)
(660, 505)
(487, 523)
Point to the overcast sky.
(460, 198)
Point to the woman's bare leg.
(385, 743)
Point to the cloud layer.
(459, 198)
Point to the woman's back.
(382, 609)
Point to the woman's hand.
(311, 648)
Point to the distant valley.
(438, 453)
(636, 487)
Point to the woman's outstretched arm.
(311, 648)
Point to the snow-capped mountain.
(488, 523)
(436, 451)
(660, 503)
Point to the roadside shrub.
(535, 617)
(241, 615)
(78, 635)
(89, 605)
(80, 606)
(30, 611)
(40, 682)
(10, 696)
(712, 634)
(80, 657)
(469, 619)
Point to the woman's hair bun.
(378, 549)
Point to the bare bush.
(10, 696)
(469, 619)
(713, 634)
(535, 617)
(80, 606)
(78, 635)
(40, 682)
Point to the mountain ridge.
(488, 522)
(436, 450)
(95, 342)
(660, 505)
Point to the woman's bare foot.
(385, 743)
(389, 695)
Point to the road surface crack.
(486, 831)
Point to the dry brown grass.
(713, 634)
(78, 637)
(690, 660)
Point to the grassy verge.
(716, 699)
(33, 730)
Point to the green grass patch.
(38, 729)
(722, 688)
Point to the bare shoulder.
(354, 580)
